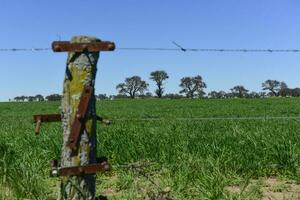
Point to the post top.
(82, 44)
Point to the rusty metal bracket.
(77, 125)
(66, 46)
(56, 170)
(38, 119)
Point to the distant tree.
(39, 97)
(133, 86)
(159, 77)
(111, 97)
(221, 94)
(23, 98)
(262, 94)
(229, 95)
(274, 86)
(217, 95)
(146, 95)
(17, 98)
(296, 92)
(31, 98)
(288, 92)
(149, 94)
(101, 97)
(54, 97)
(120, 96)
(192, 86)
(213, 94)
(253, 95)
(239, 91)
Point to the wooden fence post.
(79, 164)
(80, 72)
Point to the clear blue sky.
(155, 23)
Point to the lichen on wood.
(80, 71)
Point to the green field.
(162, 149)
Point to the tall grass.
(194, 159)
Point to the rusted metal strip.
(38, 119)
(65, 46)
(78, 170)
(79, 117)
(81, 170)
(47, 117)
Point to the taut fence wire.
(220, 50)
(210, 118)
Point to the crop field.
(164, 149)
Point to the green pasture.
(160, 149)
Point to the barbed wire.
(213, 50)
(172, 49)
(230, 118)
(26, 49)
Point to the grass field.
(164, 149)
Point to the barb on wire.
(181, 48)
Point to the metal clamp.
(56, 170)
(38, 119)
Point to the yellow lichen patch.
(88, 127)
(76, 160)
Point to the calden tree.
(217, 95)
(192, 86)
(159, 77)
(274, 86)
(39, 97)
(239, 91)
(133, 86)
(54, 97)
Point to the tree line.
(39, 97)
(191, 87)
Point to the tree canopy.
(274, 86)
(239, 91)
(192, 86)
(159, 77)
(133, 86)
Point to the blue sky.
(156, 23)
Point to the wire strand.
(230, 118)
(172, 49)
(211, 50)
(26, 49)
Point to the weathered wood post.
(79, 164)
(79, 117)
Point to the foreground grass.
(170, 158)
